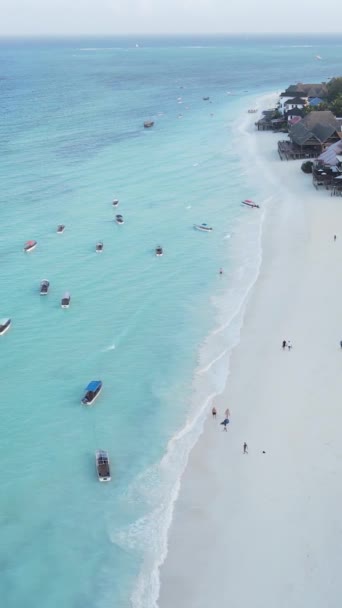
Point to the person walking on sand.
(289, 345)
(283, 344)
(341, 343)
(214, 412)
(227, 413)
(245, 448)
(335, 237)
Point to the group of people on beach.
(225, 423)
(286, 344)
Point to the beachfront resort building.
(311, 135)
(300, 95)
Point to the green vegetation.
(334, 87)
(307, 166)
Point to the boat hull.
(5, 329)
(84, 401)
(30, 248)
(202, 228)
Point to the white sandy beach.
(266, 529)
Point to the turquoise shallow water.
(72, 140)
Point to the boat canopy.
(29, 243)
(94, 385)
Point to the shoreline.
(202, 549)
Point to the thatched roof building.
(316, 129)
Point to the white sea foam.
(111, 347)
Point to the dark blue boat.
(92, 391)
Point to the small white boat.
(119, 219)
(148, 124)
(60, 229)
(30, 245)
(159, 251)
(5, 324)
(102, 465)
(115, 202)
(44, 287)
(99, 247)
(203, 227)
(250, 203)
(65, 301)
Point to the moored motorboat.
(203, 227)
(159, 251)
(30, 245)
(205, 98)
(65, 301)
(250, 203)
(5, 324)
(148, 124)
(60, 228)
(115, 202)
(119, 219)
(102, 465)
(44, 287)
(92, 392)
(99, 247)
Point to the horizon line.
(164, 34)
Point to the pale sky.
(30, 17)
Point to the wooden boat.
(92, 392)
(30, 245)
(102, 465)
(65, 301)
(250, 203)
(99, 247)
(119, 219)
(44, 287)
(5, 324)
(159, 251)
(60, 229)
(148, 124)
(203, 227)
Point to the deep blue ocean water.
(156, 331)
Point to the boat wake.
(111, 347)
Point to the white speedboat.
(203, 227)
(102, 465)
(44, 287)
(99, 247)
(65, 301)
(60, 229)
(30, 245)
(159, 251)
(119, 219)
(5, 324)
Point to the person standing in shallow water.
(245, 448)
